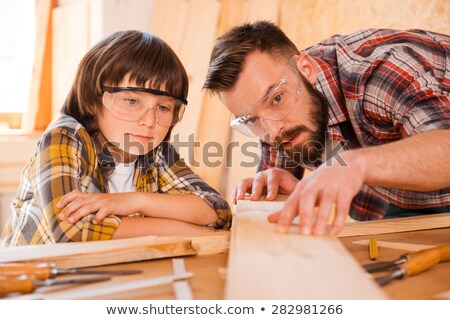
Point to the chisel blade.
(77, 280)
(86, 271)
(378, 266)
(397, 273)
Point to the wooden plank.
(363, 228)
(213, 124)
(170, 30)
(424, 222)
(181, 287)
(215, 243)
(442, 296)
(239, 164)
(95, 253)
(199, 32)
(38, 114)
(70, 43)
(410, 247)
(264, 264)
(124, 254)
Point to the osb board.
(264, 264)
(307, 22)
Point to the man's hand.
(77, 205)
(331, 183)
(273, 180)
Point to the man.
(383, 96)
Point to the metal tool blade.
(86, 271)
(378, 266)
(397, 273)
(77, 280)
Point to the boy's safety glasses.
(131, 103)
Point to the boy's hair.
(142, 55)
(229, 53)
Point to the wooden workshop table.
(208, 281)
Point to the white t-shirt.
(121, 180)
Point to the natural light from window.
(17, 35)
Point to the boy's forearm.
(184, 207)
(138, 227)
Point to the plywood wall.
(190, 27)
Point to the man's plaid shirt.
(381, 86)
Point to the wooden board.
(70, 43)
(264, 264)
(190, 32)
(397, 245)
(38, 114)
(363, 228)
(241, 161)
(96, 253)
(425, 222)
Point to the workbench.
(208, 281)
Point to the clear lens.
(275, 106)
(132, 105)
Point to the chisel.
(417, 262)
(44, 271)
(25, 284)
(444, 252)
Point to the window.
(17, 35)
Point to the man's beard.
(308, 154)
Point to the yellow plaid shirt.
(68, 158)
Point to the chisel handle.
(444, 252)
(21, 284)
(39, 271)
(425, 259)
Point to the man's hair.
(142, 55)
(231, 49)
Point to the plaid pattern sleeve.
(385, 85)
(65, 160)
(175, 177)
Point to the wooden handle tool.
(44, 271)
(417, 262)
(25, 284)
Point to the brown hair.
(143, 55)
(231, 49)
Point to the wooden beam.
(396, 225)
(95, 253)
(70, 38)
(397, 245)
(38, 114)
(362, 228)
(213, 125)
(264, 264)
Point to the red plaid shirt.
(381, 86)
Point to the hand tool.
(44, 271)
(442, 251)
(26, 284)
(416, 263)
